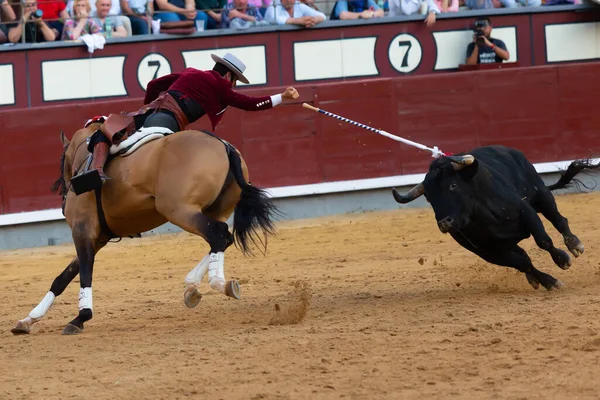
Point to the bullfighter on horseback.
(174, 101)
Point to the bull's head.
(446, 187)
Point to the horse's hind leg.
(58, 286)
(545, 203)
(191, 294)
(217, 235)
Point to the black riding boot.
(94, 177)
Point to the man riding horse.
(173, 102)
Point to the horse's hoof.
(191, 296)
(232, 289)
(21, 329)
(71, 329)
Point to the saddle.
(117, 127)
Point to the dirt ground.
(373, 305)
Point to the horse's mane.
(60, 185)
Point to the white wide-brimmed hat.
(233, 63)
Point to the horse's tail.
(254, 211)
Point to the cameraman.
(485, 49)
(36, 30)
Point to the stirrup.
(87, 181)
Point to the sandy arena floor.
(376, 305)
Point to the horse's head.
(60, 185)
(73, 154)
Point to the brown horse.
(190, 178)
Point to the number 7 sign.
(405, 53)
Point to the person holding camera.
(485, 49)
(36, 30)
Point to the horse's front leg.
(58, 286)
(86, 252)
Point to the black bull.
(489, 200)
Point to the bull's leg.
(542, 239)
(545, 203)
(58, 286)
(519, 259)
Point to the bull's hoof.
(562, 259)
(22, 328)
(532, 281)
(574, 245)
(577, 250)
(558, 285)
(71, 329)
(555, 284)
(191, 296)
(232, 289)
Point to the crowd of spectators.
(51, 20)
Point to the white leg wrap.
(85, 298)
(41, 309)
(194, 277)
(216, 274)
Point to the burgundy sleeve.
(158, 85)
(248, 103)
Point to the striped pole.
(434, 151)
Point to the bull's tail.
(254, 211)
(567, 177)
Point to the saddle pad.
(138, 139)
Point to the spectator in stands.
(484, 49)
(294, 13)
(53, 11)
(261, 5)
(447, 5)
(213, 10)
(102, 17)
(7, 14)
(524, 3)
(409, 7)
(356, 9)
(311, 4)
(31, 24)
(240, 15)
(482, 4)
(115, 11)
(135, 10)
(81, 24)
(179, 10)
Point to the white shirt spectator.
(280, 15)
(409, 7)
(139, 6)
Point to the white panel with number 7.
(405, 53)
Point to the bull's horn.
(414, 193)
(459, 162)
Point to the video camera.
(37, 14)
(478, 30)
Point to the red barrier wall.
(547, 112)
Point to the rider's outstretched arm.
(250, 103)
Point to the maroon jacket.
(209, 89)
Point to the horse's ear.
(65, 142)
